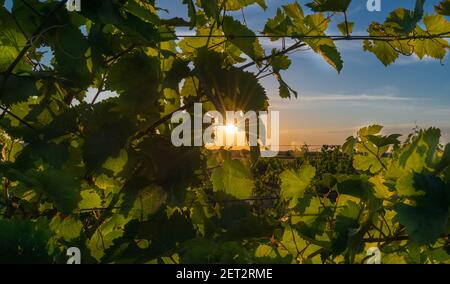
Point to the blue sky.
(333, 106)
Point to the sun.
(230, 129)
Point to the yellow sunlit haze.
(227, 134)
(230, 129)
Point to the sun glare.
(230, 129)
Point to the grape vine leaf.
(105, 235)
(295, 182)
(380, 188)
(266, 254)
(18, 89)
(346, 28)
(191, 12)
(405, 186)
(443, 8)
(62, 186)
(211, 8)
(67, 228)
(234, 5)
(420, 152)
(89, 199)
(233, 178)
(234, 89)
(282, 62)
(242, 37)
(427, 220)
(24, 241)
(346, 224)
(70, 47)
(445, 159)
(105, 135)
(332, 56)
(11, 42)
(369, 156)
(126, 77)
(139, 203)
(382, 50)
(198, 251)
(329, 5)
(403, 20)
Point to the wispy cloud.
(362, 97)
(337, 98)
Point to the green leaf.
(165, 230)
(381, 141)
(105, 139)
(142, 10)
(294, 10)
(198, 251)
(366, 163)
(24, 241)
(294, 183)
(13, 174)
(234, 5)
(278, 26)
(332, 56)
(62, 187)
(279, 62)
(18, 89)
(104, 237)
(142, 200)
(285, 90)
(191, 12)
(370, 130)
(329, 5)
(66, 228)
(346, 28)
(380, 188)
(405, 186)
(70, 47)
(349, 145)
(251, 227)
(126, 77)
(190, 87)
(233, 178)
(137, 28)
(211, 8)
(227, 83)
(403, 20)
(7, 56)
(168, 165)
(356, 186)
(443, 8)
(282, 62)
(369, 155)
(11, 42)
(242, 37)
(89, 199)
(265, 254)
(421, 151)
(427, 220)
(53, 154)
(382, 50)
(346, 225)
(445, 159)
(436, 47)
(436, 24)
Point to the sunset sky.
(332, 106)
